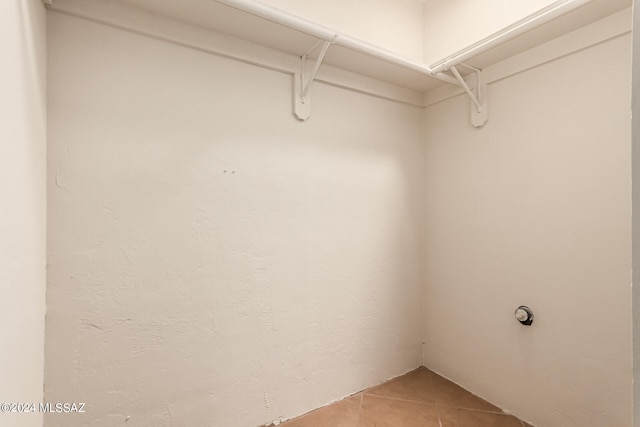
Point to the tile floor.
(420, 398)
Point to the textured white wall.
(535, 209)
(396, 25)
(22, 205)
(451, 25)
(636, 210)
(213, 260)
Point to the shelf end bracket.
(479, 105)
(302, 84)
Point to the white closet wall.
(212, 259)
(22, 206)
(635, 158)
(535, 209)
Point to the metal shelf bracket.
(302, 83)
(479, 107)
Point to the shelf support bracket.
(302, 83)
(479, 107)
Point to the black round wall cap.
(524, 315)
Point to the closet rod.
(529, 23)
(275, 15)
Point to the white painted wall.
(534, 209)
(396, 25)
(211, 259)
(635, 157)
(451, 25)
(22, 205)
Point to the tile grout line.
(435, 401)
(464, 408)
(360, 410)
(396, 398)
(477, 410)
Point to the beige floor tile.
(420, 398)
(450, 394)
(415, 386)
(454, 417)
(340, 414)
(383, 412)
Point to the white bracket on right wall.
(479, 104)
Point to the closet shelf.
(544, 21)
(559, 18)
(336, 39)
(271, 31)
(349, 53)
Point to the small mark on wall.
(266, 399)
